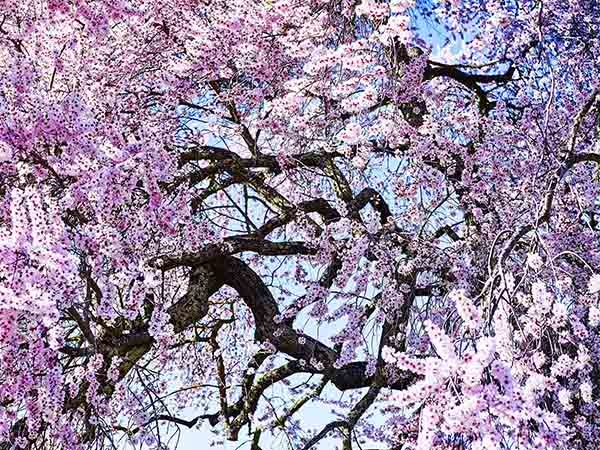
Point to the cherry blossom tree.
(393, 204)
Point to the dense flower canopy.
(396, 201)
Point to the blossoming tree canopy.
(216, 213)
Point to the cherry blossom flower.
(594, 284)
